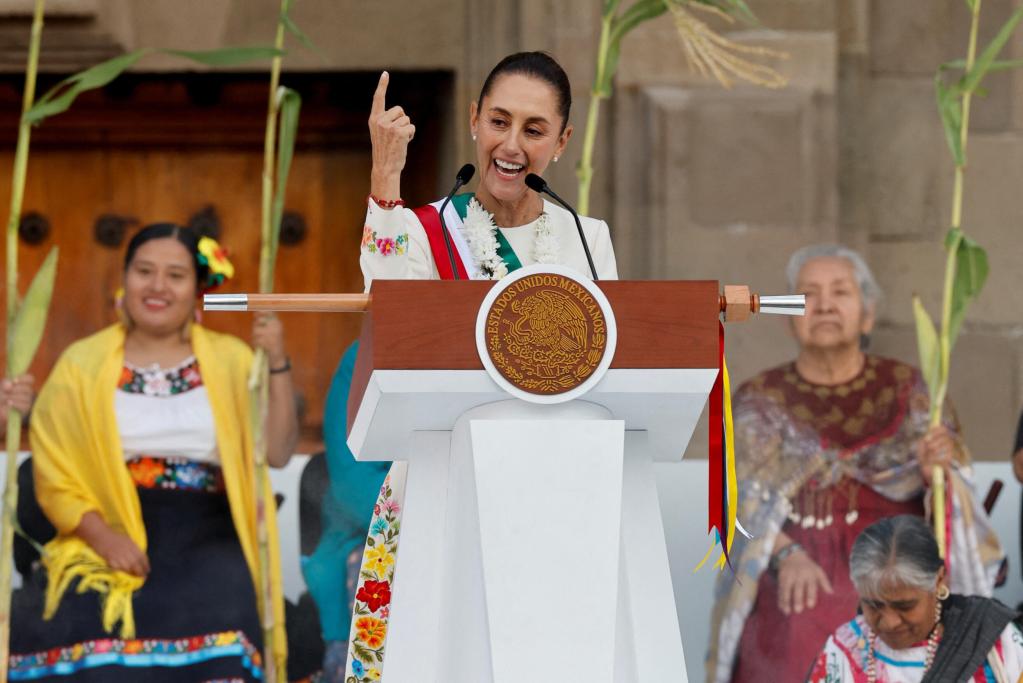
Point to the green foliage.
(294, 30)
(950, 95)
(60, 97)
(971, 271)
(927, 345)
(30, 320)
(951, 112)
(736, 8)
(289, 103)
(640, 12)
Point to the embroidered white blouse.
(395, 246)
(159, 423)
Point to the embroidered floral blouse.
(165, 413)
(395, 245)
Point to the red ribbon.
(716, 453)
(430, 219)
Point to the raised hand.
(390, 131)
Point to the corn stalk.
(966, 262)
(707, 52)
(25, 323)
(282, 118)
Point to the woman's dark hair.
(537, 65)
(185, 236)
(892, 551)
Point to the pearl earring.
(474, 138)
(555, 159)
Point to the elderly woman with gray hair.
(911, 628)
(826, 445)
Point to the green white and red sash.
(454, 216)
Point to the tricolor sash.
(454, 217)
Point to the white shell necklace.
(480, 234)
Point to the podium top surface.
(431, 325)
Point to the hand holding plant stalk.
(282, 114)
(966, 264)
(26, 320)
(708, 52)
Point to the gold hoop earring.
(943, 592)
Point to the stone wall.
(699, 181)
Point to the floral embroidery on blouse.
(385, 246)
(176, 473)
(103, 652)
(373, 598)
(156, 381)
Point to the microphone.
(539, 185)
(465, 174)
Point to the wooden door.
(188, 149)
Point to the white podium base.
(570, 581)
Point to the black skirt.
(195, 617)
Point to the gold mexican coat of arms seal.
(545, 333)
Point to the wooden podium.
(531, 547)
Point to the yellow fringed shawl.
(79, 466)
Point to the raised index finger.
(380, 94)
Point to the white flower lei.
(481, 234)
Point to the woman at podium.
(520, 125)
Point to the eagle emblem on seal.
(550, 334)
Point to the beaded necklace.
(932, 648)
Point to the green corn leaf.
(927, 346)
(603, 86)
(60, 97)
(306, 41)
(997, 65)
(289, 104)
(952, 238)
(30, 320)
(987, 57)
(228, 56)
(610, 7)
(642, 11)
(951, 112)
(636, 15)
(735, 8)
(971, 274)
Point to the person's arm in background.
(17, 393)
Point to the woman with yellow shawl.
(142, 459)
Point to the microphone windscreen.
(536, 183)
(465, 174)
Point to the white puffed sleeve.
(395, 247)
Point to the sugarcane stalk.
(259, 386)
(584, 171)
(956, 223)
(13, 416)
(944, 340)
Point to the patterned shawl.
(789, 433)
